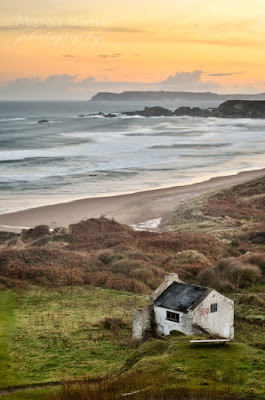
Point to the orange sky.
(141, 41)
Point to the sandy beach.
(131, 209)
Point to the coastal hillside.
(68, 297)
(102, 252)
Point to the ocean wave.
(12, 119)
(232, 153)
(189, 146)
(63, 151)
(36, 160)
(123, 116)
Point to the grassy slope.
(237, 367)
(54, 334)
(7, 320)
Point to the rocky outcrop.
(151, 112)
(192, 112)
(228, 109)
(241, 109)
(164, 112)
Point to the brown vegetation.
(137, 386)
(230, 274)
(246, 202)
(102, 252)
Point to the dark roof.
(180, 296)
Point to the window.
(214, 307)
(171, 316)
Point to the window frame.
(170, 316)
(214, 307)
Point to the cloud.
(72, 87)
(226, 74)
(188, 81)
(53, 87)
(115, 55)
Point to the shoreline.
(129, 208)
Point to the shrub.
(252, 299)
(241, 274)
(257, 259)
(105, 256)
(35, 233)
(143, 275)
(230, 273)
(113, 323)
(125, 266)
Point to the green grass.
(52, 334)
(174, 368)
(249, 318)
(237, 367)
(7, 321)
(55, 333)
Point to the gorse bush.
(257, 259)
(231, 273)
(113, 323)
(240, 274)
(125, 266)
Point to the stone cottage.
(187, 308)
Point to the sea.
(76, 155)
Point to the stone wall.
(142, 323)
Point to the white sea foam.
(11, 119)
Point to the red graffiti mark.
(204, 311)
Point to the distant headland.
(173, 96)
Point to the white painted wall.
(164, 326)
(220, 322)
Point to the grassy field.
(51, 334)
(7, 319)
(173, 368)
(237, 366)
